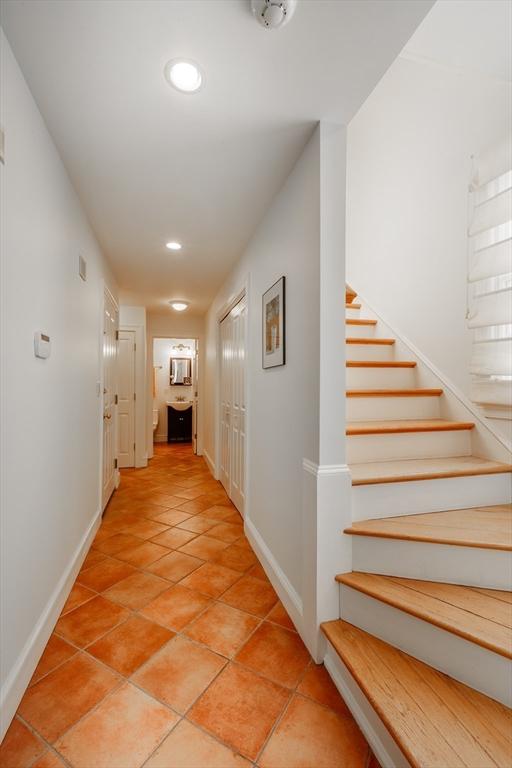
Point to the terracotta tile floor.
(173, 650)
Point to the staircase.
(422, 652)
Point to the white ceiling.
(151, 164)
(471, 35)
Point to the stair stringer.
(377, 735)
(454, 405)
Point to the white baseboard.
(210, 463)
(22, 671)
(380, 740)
(279, 580)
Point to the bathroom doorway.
(175, 391)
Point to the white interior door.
(233, 404)
(225, 402)
(110, 324)
(126, 400)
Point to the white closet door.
(238, 411)
(126, 402)
(225, 402)
(233, 406)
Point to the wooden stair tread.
(358, 321)
(380, 364)
(350, 295)
(400, 471)
(394, 392)
(484, 527)
(402, 426)
(482, 620)
(352, 305)
(436, 721)
(370, 340)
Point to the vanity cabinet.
(179, 425)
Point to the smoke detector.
(273, 14)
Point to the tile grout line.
(134, 612)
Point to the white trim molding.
(321, 470)
(279, 580)
(21, 673)
(326, 511)
(210, 464)
(380, 740)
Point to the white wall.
(134, 319)
(302, 237)
(408, 171)
(176, 326)
(162, 352)
(50, 409)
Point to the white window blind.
(490, 281)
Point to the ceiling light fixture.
(179, 306)
(184, 75)
(173, 246)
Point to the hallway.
(173, 651)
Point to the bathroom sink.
(180, 405)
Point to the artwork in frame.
(274, 341)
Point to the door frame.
(238, 295)
(141, 453)
(99, 392)
(133, 353)
(197, 399)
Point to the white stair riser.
(368, 408)
(381, 378)
(428, 561)
(481, 669)
(408, 445)
(380, 740)
(350, 314)
(370, 351)
(418, 496)
(360, 331)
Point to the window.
(490, 282)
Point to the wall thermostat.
(42, 345)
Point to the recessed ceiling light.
(179, 306)
(184, 75)
(173, 246)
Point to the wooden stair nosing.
(435, 720)
(435, 475)
(380, 364)
(479, 527)
(369, 340)
(351, 305)
(406, 426)
(434, 392)
(358, 321)
(406, 595)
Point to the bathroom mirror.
(181, 371)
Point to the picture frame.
(274, 325)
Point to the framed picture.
(274, 341)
